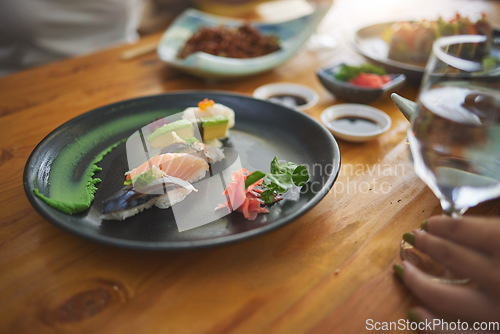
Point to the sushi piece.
(170, 133)
(483, 26)
(212, 153)
(211, 127)
(209, 108)
(162, 181)
(181, 145)
(214, 127)
(162, 192)
(412, 41)
(194, 147)
(425, 34)
(400, 38)
(181, 165)
(446, 28)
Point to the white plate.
(381, 122)
(266, 92)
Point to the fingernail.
(409, 238)
(413, 316)
(399, 270)
(425, 225)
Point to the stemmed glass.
(321, 42)
(455, 132)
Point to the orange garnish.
(241, 199)
(205, 104)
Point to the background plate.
(262, 130)
(370, 43)
(292, 34)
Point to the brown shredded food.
(232, 42)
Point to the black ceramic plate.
(263, 130)
(370, 43)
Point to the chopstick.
(139, 51)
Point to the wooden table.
(327, 272)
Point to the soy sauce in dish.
(288, 99)
(356, 124)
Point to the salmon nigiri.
(163, 181)
(184, 166)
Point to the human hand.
(470, 247)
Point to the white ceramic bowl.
(267, 92)
(341, 120)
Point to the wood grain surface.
(327, 272)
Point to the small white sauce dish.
(288, 94)
(355, 122)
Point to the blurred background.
(158, 14)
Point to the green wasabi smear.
(72, 194)
(76, 198)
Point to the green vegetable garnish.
(349, 72)
(267, 196)
(279, 183)
(490, 62)
(143, 180)
(281, 178)
(254, 177)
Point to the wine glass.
(455, 133)
(320, 41)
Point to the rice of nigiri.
(162, 192)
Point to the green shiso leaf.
(300, 176)
(143, 180)
(267, 196)
(280, 179)
(254, 177)
(280, 183)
